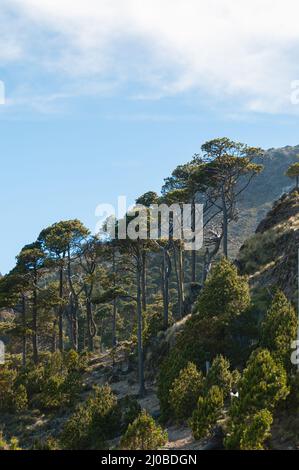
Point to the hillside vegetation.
(141, 343)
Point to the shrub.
(279, 328)
(262, 385)
(207, 412)
(188, 348)
(7, 380)
(13, 397)
(106, 414)
(13, 444)
(56, 383)
(75, 434)
(94, 422)
(209, 330)
(185, 391)
(251, 433)
(50, 443)
(20, 399)
(220, 375)
(130, 410)
(143, 434)
(225, 293)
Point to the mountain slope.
(266, 188)
(270, 256)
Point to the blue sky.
(106, 98)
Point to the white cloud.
(242, 50)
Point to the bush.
(143, 434)
(56, 383)
(220, 375)
(262, 385)
(20, 399)
(225, 294)
(13, 444)
(188, 348)
(251, 433)
(207, 412)
(130, 410)
(279, 328)
(94, 422)
(13, 397)
(209, 330)
(75, 434)
(185, 391)
(50, 443)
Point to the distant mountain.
(266, 188)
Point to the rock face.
(270, 257)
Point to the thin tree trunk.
(60, 313)
(181, 280)
(114, 318)
(143, 282)
(193, 252)
(177, 275)
(139, 333)
(225, 225)
(24, 326)
(54, 337)
(166, 270)
(75, 325)
(34, 322)
(89, 325)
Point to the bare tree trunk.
(24, 326)
(34, 322)
(90, 334)
(181, 281)
(75, 325)
(114, 301)
(225, 225)
(193, 252)
(54, 338)
(143, 282)
(139, 332)
(60, 312)
(165, 274)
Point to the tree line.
(69, 288)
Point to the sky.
(105, 97)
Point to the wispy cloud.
(226, 49)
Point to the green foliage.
(251, 433)
(207, 413)
(185, 351)
(220, 375)
(226, 294)
(185, 391)
(209, 332)
(293, 172)
(130, 410)
(279, 328)
(13, 397)
(262, 385)
(50, 443)
(56, 383)
(143, 434)
(94, 422)
(13, 444)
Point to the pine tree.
(279, 328)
